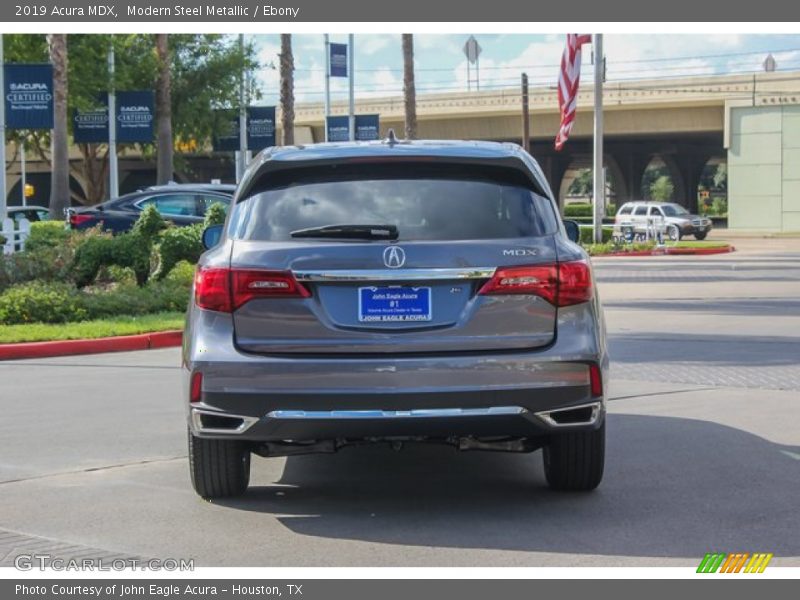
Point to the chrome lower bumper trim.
(197, 422)
(546, 415)
(396, 414)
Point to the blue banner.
(260, 127)
(135, 116)
(28, 93)
(367, 128)
(338, 59)
(226, 130)
(91, 126)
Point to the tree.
(409, 89)
(59, 174)
(164, 145)
(204, 74)
(287, 89)
(662, 189)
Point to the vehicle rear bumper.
(437, 395)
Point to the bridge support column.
(633, 165)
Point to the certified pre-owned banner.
(260, 127)
(367, 128)
(90, 126)
(28, 93)
(135, 111)
(338, 60)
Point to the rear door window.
(640, 210)
(424, 203)
(174, 204)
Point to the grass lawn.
(124, 325)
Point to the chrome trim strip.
(545, 415)
(396, 414)
(395, 274)
(247, 422)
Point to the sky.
(440, 64)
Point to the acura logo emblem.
(394, 257)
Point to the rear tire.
(219, 468)
(574, 461)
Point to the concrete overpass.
(683, 121)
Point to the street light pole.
(352, 120)
(599, 173)
(113, 172)
(2, 137)
(327, 82)
(242, 157)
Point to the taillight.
(595, 380)
(225, 290)
(562, 284)
(196, 387)
(212, 289)
(76, 219)
(574, 283)
(540, 280)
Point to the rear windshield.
(424, 203)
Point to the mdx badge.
(394, 257)
(520, 252)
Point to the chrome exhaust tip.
(212, 422)
(582, 414)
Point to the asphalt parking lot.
(703, 452)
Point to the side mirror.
(573, 231)
(211, 236)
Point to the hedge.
(584, 209)
(587, 234)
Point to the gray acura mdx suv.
(394, 292)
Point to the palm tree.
(287, 89)
(409, 89)
(164, 166)
(59, 172)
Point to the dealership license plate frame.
(375, 309)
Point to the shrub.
(130, 299)
(584, 210)
(46, 234)
(719, 206)
(587, 234)
(40, 302)
(185, 243)
(130, 249)
(578, 210)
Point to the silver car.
(676, 220)
(394, 292)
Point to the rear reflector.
(595, 380)
(196, 387)
(562, 284)
(225, 290)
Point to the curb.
(671, 252)
(123, 343)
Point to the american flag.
(568, 80)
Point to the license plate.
(387, 304)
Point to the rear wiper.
(365, 232)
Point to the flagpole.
(599, 173)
